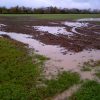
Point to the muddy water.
(71, 62)
(53, 30)
(58, 61)
(75, 25)
(60, 58)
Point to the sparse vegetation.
(85, 68)
(98, 70)
(88, 66)
(98, 74)
(90, 90)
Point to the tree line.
(46, 10)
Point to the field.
(49, 57)
(55, 16)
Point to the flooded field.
(71, 46)
(68, 44)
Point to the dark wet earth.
(84, 38)
(68, 44)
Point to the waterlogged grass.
(55, 16)
(98, 74)
(98, 70)
(63, 82)
(90, 90)
(88, 66)
(21, 75)
(55, 86)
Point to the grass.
(63, 82)
(20, 75)
(98, 74)
(86, 66)
(89, 65)
(55, 16)
(98, 70)
(90, 90)
(17, 73)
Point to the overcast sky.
(93, 4)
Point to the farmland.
(49, 56)
(54, 16)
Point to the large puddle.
(55, 30)
(75, 25)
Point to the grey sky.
(93, 4)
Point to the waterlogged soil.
(74, 38)
(67, 43)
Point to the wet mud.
(74, 36)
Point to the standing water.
(58, 60)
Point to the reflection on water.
(76, 24)
(89, 19)
(55, 30)
(2, 25)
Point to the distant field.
(56, 16)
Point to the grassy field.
(90, 90)
(56, 16)
(21, 75)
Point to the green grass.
(17, 73)
(55, 86)
(63, 82)
(90, 90)
(55, 16)
(21, 75)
